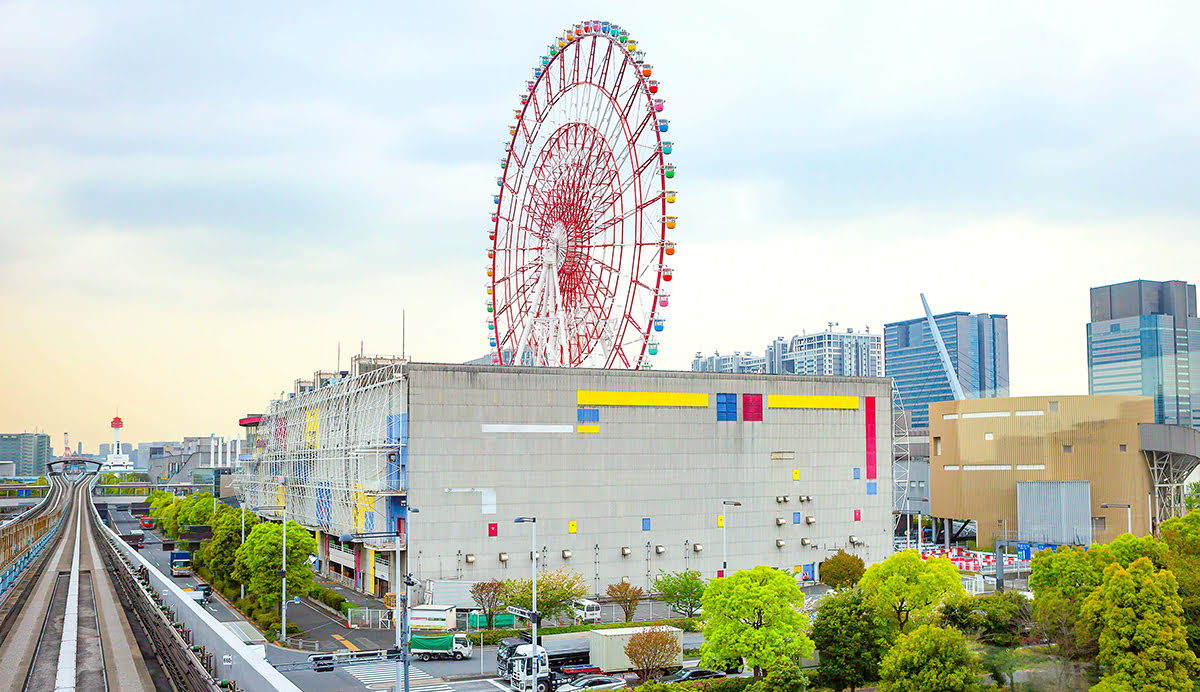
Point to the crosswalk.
(382, 675)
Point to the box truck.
(181, 563)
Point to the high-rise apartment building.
(846, 354)
(978, 349)
(28, 451)
(1144, 338)
(739, 362)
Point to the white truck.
(608, 648)
(426, 647)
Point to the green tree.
(169, 519)
(1182, 537)
(258, 560)
(681, 590)
(997, 619)
(930, 659)
(849, 640)
(1138, 616)
(842, 570)
(754, 614)
(220, 553)
(784, 678)
(557, 591)
(905, 590)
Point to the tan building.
(981, 448)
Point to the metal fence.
(301, 644)
(369, 619)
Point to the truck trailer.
(432, 617)
(607, 648)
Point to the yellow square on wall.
(720, 521)
(795, 474)
(572, 527)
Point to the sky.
(199, 202)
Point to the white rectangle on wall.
(526, 429)
(986, 414)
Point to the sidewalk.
(359, 599)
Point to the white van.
(585, 611)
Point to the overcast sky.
(198, 203)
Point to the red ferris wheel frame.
(579, 230)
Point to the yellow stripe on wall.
(811, 401)
(588, 429)
(598, 398)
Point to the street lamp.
(724, 540)
(283, 566)
(400, 616)
(1128, 513)
(533, 619)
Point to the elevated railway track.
(80, 615)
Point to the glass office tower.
(1144, 338)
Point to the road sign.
(519, 612)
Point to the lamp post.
(1128, 512)
(532, 521)
(400, 616)
(724, 540)
(283, 567)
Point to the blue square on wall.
(795, 517)
(727, 407)
(646, 524)
(589, 415)
(857, 473)
(872, 488)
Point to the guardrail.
(225, 657)
(23, 539)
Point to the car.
(593, 682)
(689, 674)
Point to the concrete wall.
(981, 448)
(473, 462)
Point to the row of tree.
(557, 591)
(254, 563)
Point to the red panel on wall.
(858, 515)
(493, 530)
(870, 437)
(752, 407)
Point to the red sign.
(493, 530)
(858, 515)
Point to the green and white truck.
(426, 647)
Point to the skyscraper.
(1144, 338)
(30, 452)
(978, 349)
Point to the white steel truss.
(901, 459)
(339, 451)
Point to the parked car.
(593, 682)
(689, 674)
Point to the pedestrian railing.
(301, 644)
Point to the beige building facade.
(981, 448)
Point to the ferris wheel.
(577, 259)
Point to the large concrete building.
(978, 350)
(29, 452)
(626, 472)
(1144, 338)
(982, 451)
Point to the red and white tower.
(117, 462)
